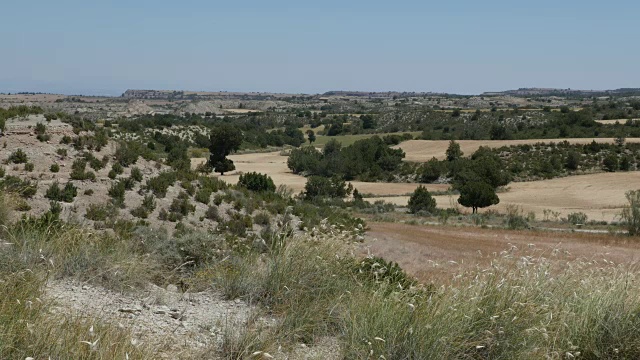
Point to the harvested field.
(423, 150)
(438, 252)
(275, 165)
(616, 121)
(600, 196)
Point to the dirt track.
(438, 252)
(423, 150)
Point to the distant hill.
(564, 92)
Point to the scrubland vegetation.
(124, 208)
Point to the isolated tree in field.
(421, 200)
(311, 136)
(477, 194)
(225, 139)
(453, 151)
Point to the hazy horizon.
(466, 47)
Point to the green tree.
(225, 139)
(431, 171)
(311, 136)
(368, 122)
(318, 186)
(610, 162)
(421, 200)
(573, 161)
(477, 194)
(453, 151)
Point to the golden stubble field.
(275, 165)
(600, 196)
(424, 150)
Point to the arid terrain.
(440, 252)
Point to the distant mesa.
(563, 92)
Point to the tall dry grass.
(521, 307)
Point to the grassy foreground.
(524, 306)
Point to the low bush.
(101, 212)
(256, 182)
(66, 194)
(29, 167)
(159, 184)
(18, 157)
(577, 218)
(54, 168)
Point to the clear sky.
(462, 46)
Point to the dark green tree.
(610, 162)
(224, 139)
(453, 151)
(477, 194)
(573, 161)
(311, 136)
(421, 200)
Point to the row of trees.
(367, 159)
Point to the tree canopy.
(225, 139)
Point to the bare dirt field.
(423, 150)
(600, 196)
(434, 253)
(275, 165)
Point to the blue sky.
(457, 46)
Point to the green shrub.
(238, 224)
(181, 206)
(213, 214)
(159, 184)
(577, 218)
(101, 212)
(203, 196)
(136, 174)
(317, 186)
(515, 218)
(29, 167)
(117, 168)
(2, 172)
(62, 152)
(256, 182)
(78, 171)
(88, 192)
(67, 194)
(610, 162)
(262, 218)
(54, 168)
(631, 212)
(117, 192)
(18, 157)
(127, 153)
(24, 188)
